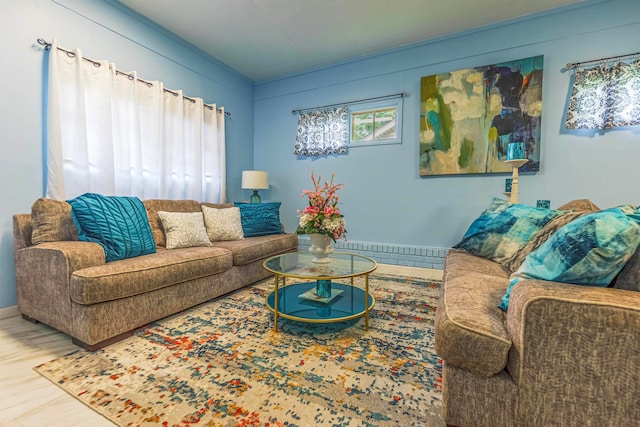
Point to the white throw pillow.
(184, 229)
(223, 224)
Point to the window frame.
(373, 106)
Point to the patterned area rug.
(221, 364)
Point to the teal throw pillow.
(503, 229)
(260, 219)
(119, 224)
(590, 250)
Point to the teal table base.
(323, 288)
(349, 304)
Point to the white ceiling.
(265, 39)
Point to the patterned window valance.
(322, 132)
(604, 97)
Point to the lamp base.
(255, 197)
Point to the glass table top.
(299, 265)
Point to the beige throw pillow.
(184, 229)
(223, 224)
(153, 206)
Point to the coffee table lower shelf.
(348, 305)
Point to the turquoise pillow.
(119, 224)
(503, 229)
(260, 219)
(590, 250)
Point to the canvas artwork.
(468, 117)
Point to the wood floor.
(29, 400)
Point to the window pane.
(385, 124)
(362, 126)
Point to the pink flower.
(322, 215)
(330, 210)
(312, 210)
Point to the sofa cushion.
(153, 206)
(579, 205)
(591, 250)
(629, 277)
(223, 224)
(253, 249)
(461, 263)
(145, 273)
(52, 221)
(260, 219)
(119, 224)
(471, 331)
(184, 229)
(503, 229)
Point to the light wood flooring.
(29, 400)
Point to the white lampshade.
(255, 180)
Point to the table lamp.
(255, 180)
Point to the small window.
(375, 124)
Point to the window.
(376, 123)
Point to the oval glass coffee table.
(318, 299)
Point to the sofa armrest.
(43, 274)
(76, 255)
(22, 228)
(575, 346)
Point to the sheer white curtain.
(113, 134)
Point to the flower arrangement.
(322, 216)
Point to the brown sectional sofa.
(562, 355)
(67, 284)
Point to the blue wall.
(102, 30)
(386, 202)
(389, 208)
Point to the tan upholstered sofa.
(66, 283)
(562, 355)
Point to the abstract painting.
(468, 117)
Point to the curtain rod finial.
(43, 42)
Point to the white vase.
(320, 248)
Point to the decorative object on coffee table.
(322, 219)
(320, 248)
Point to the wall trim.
(389, 253)
(7, 312)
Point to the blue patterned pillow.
(590, 250)
(260, 219)
(503, 229)
(119, 224)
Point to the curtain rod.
(395, 95)
(577, 64)
(71, 54)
